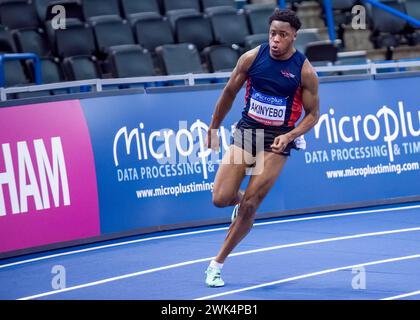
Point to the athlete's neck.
(284, 56)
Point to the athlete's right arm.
(224, 103)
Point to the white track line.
(410, 294)
(135, 274)
(308, 275)
(203, 231)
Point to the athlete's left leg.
(258, 187)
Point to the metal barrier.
(395, 12)
(20, 56)
(190, 79)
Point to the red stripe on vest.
(296, 108)
(248, 89)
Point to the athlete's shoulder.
(308, 74)
(309, 78)
(247, 59)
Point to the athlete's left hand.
(280, 143)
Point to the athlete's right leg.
(226, 192)
(229, 177)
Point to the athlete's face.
(281, 38)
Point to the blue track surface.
(307, 257)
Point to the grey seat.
(217, 3)
(179, 58)
(81, 68)
(321, 51)
(254, 40)
(14, 73)
(18, 14)
(73, 9)
(194, 29)
(221, 57)
(6, 41)
(111, 31)
(386, 28)
(229, 27)
(153, 32)
(305, 36)
(181, 4)
(32, 40)
(130, 7)
(258, 17)
(76, 39)
(131, 61)
(94, 8)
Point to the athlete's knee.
(248, 207)
(221, 200)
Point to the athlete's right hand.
(212, 140)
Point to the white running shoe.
(234, 213)
(214, 278)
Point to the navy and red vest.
(273, 97)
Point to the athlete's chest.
(275, 78)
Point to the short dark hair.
(286, 15)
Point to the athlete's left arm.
(310, 101)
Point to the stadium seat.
(6, 41)
(111, 31)
(229, 28)
(76, 39)
(130, 7)
(41, 8)
(14, 73)
(131, 61)
(179, 58)
(51, 70)
(194, 29)
(32, 40)
(18, 14)
(321, 51)
(386, 28)
(181, 4)
(217, 3)
(258, 17)
(174, 15)
(413, 9)
(153, 32)
(342, 13)
(94, 8)
(81, 68)
(211, 11)
(73, 9)
(343, 4)
(254, 40)
(305, 36)
(134, 17)
(221, 58)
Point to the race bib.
(268, 110)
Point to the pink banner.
(48, 190)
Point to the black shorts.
(254, 140)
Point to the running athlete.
(280, 81)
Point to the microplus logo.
(183, 147)
(52, 176)
(386, 124)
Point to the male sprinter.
(280, 80)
